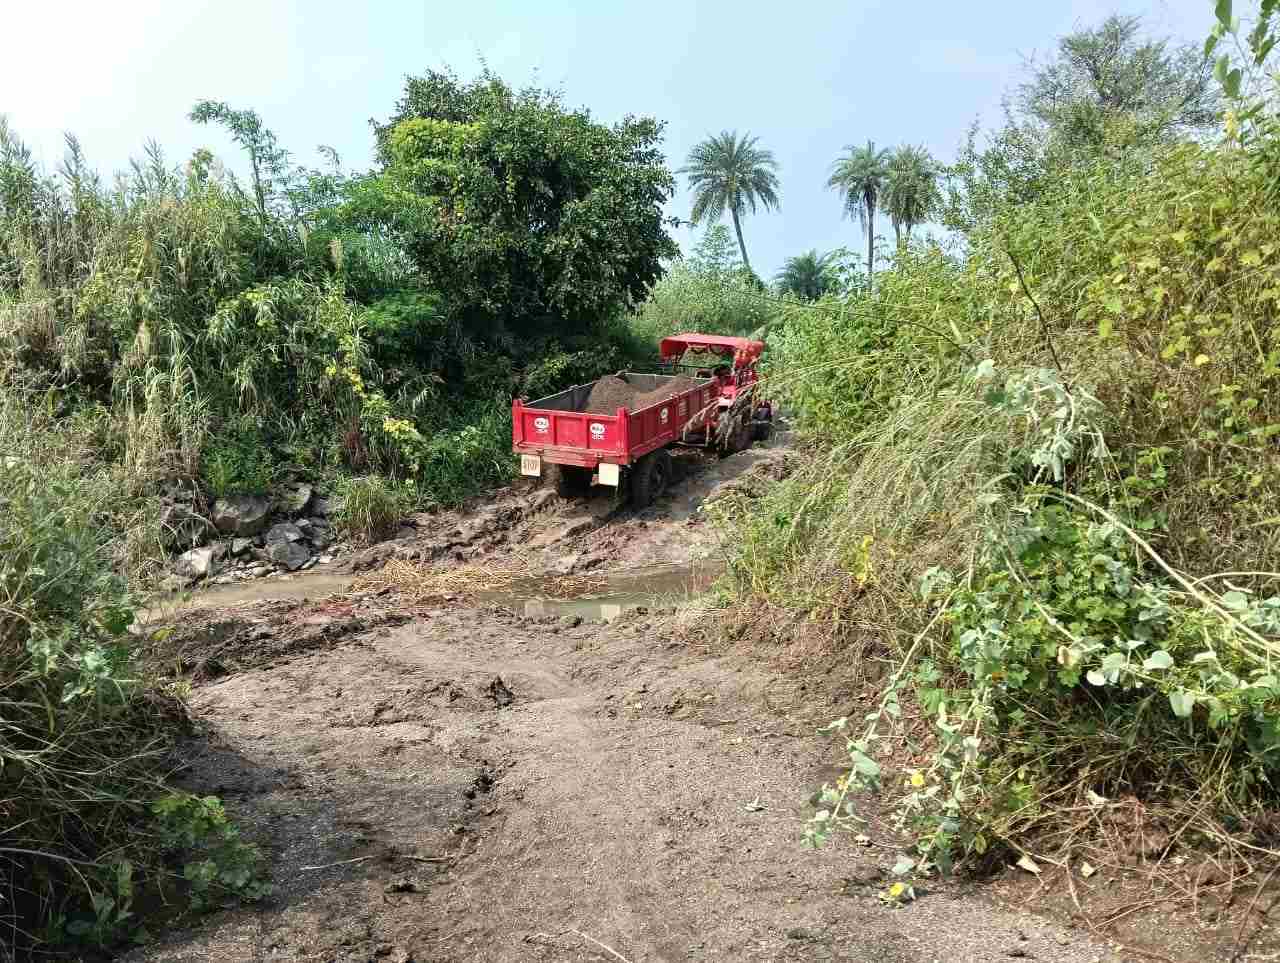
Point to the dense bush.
(710, 292)
(1043, 480)
(86, 734)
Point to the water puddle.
(601, 596)
(316, 583)
(618, 592)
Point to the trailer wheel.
(569, 481)
(649, 478)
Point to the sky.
(806, 79)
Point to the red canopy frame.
(744, 350)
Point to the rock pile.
(252, 536)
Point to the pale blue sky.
(806, 78)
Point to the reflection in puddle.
(616, 594)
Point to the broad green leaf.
(1222, 10)
(865, 764)
(1158, 660)
(1235, 601)
(1232, 83)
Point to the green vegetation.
(371, 507)
(87, 819)
(178, 328)
(711, 291)
(1042, 481)
(728, 172)
(859, 177)
(911, 190)
(807, 276)
(1039, 477)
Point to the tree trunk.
(737, 226)
(871, 239)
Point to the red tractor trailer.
(617, 431)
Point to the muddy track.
(461, 783)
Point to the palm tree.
(860, 176)
(911, 189)
(728, 172)
(807, 276)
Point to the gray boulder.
(240, 545)
(241, 514)
(296, 499)
(195, 564)
(283, 532)
(288, 555)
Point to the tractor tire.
(569, 481)
(649, 478)
(738, 437)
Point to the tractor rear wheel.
(650, 477)
(569, 481)
(738, 435)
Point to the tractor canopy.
(744, 350)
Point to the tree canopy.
(728, 172)
(807, 276)
(517, 209)
(860, 177)
(911, 188)
(1109, 72)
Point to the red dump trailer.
(711, 402)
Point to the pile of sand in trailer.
(611, 393)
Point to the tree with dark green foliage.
(860, 178)
(807, 276)
(520, 212)
(731, 173)
(911, 189)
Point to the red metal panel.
(575, 438)
(604, 433)
(570, 431)
(536, 426)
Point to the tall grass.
(81, 738)
(1044, 471)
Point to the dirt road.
(443, 781)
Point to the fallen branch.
(341, 862)
(608, 949)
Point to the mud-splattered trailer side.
(558, 435)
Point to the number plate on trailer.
(608, 474)
(531, 465)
